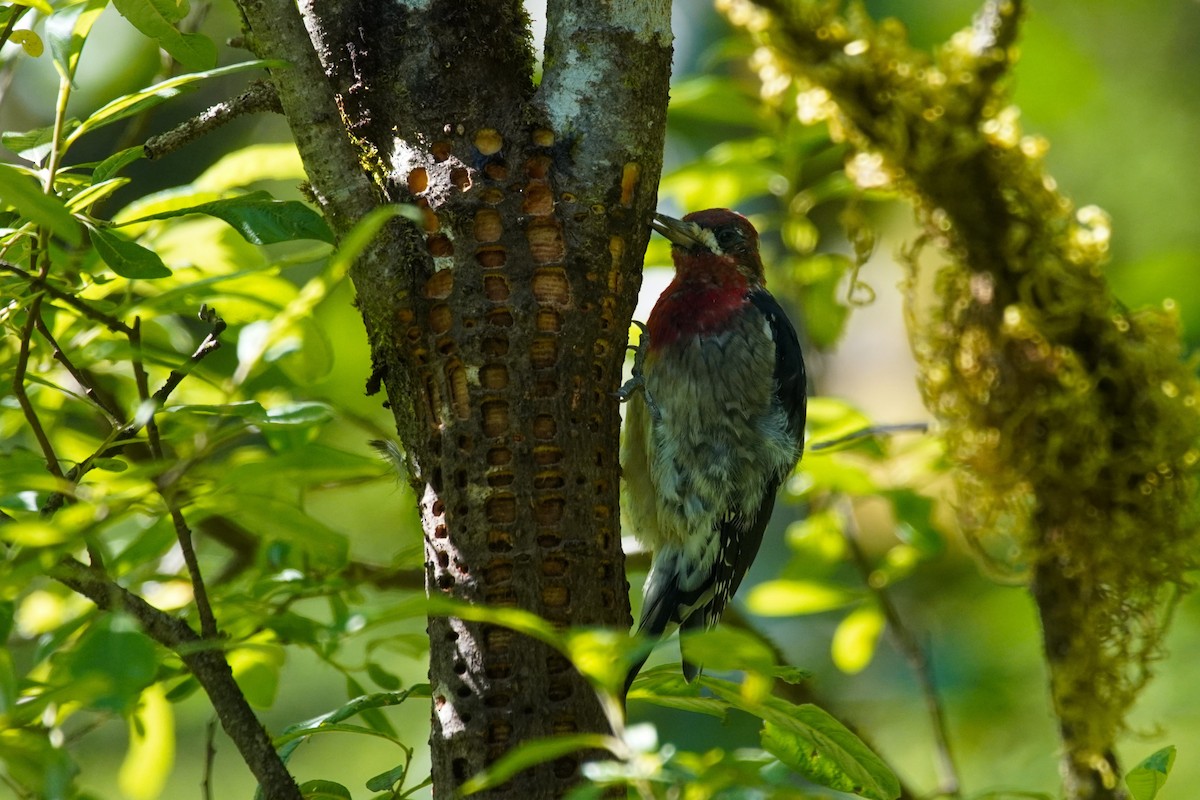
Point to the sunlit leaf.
(781, 598)
(256, 665)
(260, 162)
(855, 639)
(117, 162)
(95, 193)
(324, 790)
(259, 218)
(21, 191)
(128, 259)
(30, 42)
(36, 144)
(530, 754)
(386, 780)
(67, 31)
(1147, 778)
(157, 20)
(814, 744)
(34, 533)
(112, 664)
(151, 753)
(914, 521)
(41, 6)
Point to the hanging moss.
(1074, 422)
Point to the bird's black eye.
(728, 238)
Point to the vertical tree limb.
(1074, 423)
(498, 328)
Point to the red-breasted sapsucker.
(718, 425)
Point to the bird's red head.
(717, 266)
(706, 244)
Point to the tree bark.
(498, 328)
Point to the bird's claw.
(637, 378)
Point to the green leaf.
(855, 639)
(67, 31)
(259, 218)
(712, 99)
(374, 718)
(531, 754)
(112, 664)
(151, 753)
(914, 521)
(386, 780)
(1145, 780)
(41, 6)
(22, 191)
(324, 790)
(725, 649)
(256, 666)
(814, 744)
(35, 145)
(665, 686)
(117, 162)
(259, 162)
(95, 193)
(30, 42)
(134, 103)
(782, 598)
(356, 241)
(382, 678)
(157, 18)
(128, 259)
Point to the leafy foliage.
(141, 442)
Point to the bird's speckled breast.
(721, 434)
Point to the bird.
(714, 423)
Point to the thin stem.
(906, 642)
(18, 382)
(210, 756)
(866, 433)
(15, 14)
(57, 148)
(205, 660)
(143, 388)
(208, 623)
(61, 357)
(112, 323)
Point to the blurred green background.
(1110, 83)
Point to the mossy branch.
(1073, 420)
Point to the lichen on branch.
(1074, 421)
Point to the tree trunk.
(499, 327)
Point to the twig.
(60, 356)
(18, 384)
(210, 756)
(259, 96)
(205, 660)
(866, 433)
(906, 642)
(798, 693)
(112, 323)
(208, 623)
(210, 344)
(160, 397)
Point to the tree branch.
(906, 642)
(1071, 418)
(259, 96)
(205, 660)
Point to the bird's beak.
(676, 231)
